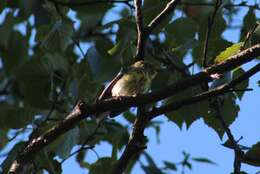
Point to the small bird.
(135, 80)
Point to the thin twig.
(77, 151)
(208, 33)
(170, 7)
(83, 145)
(94, 2)
(238, 153)
(249, 35)
(5, 90)
(227, 6)
(141, 38)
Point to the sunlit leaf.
(229, 52)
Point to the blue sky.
(199, 140)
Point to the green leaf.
(248, 22)
(252, 156)
(67, 142)
(116, 134)
(88, 89)
(230, 51)
(80, 158)
(114, 152)
(236, 73)
(103, 165)
(187, 114)
(88, 129)
(203, 160)
(91, 16)
(151, 168)
(46, 161)
(170, 165)
(103, 68)
(6, 30)
(34, 83)
(11, 113)
(219, 26)
(12, 60)
(187, 25)
(130, 117)
(216, 45)
(117, 49)
(229, 111)
(257, 30)
(59, 36)
(55, 62)
(161, 78)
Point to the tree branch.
(82, 111)
(135, 145)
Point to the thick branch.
(164, 13)
(81, 111)
(135, 145)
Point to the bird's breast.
(130, 84)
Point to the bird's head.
(148, 68)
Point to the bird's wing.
(106, 93)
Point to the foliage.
(52, 55)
